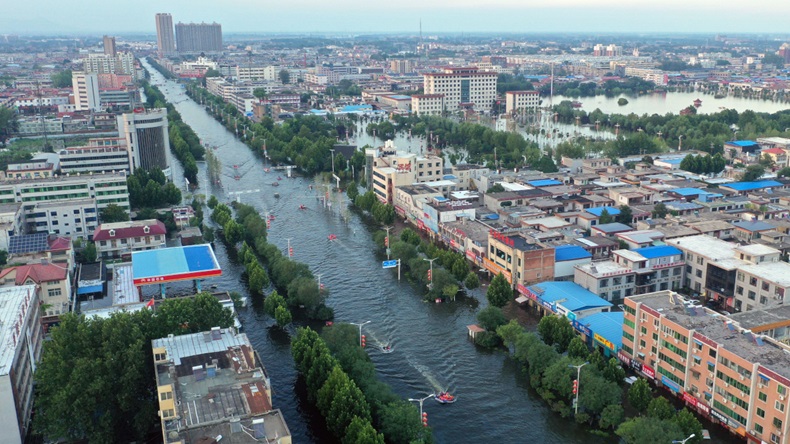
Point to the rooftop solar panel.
(28, 243)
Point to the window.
(164, 396)
(604, 283)
(753, 281)
(677, 271)
(53, 292)
(781, 390)
(777, 423)
(160, 357)
(751, 295)
(779, 406)
(774, 438)
(762, 396)
(699, 273)
(168, 413)
(760, 412)
(664, 273)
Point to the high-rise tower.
(165, 37)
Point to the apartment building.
(147, 139)
(517, 102)
(467, 87)
(121, 63)
(53, 282)
(722, 371)
(246, 73)
(520, 259)
(86, 91)
(101, 154)
(427, 104)
(396, 169)
(38, 248)
(72, 217)
(213, 384)
(121, 239)
(67, 193)
(198, 37)
(630, 272)
(20, 349)
(740, 278)
(165, 37)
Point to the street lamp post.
(430, 277)
(333, 160)
(578, 375)
(387, 241)
(360, 329)
(683, 441)
(420, 401)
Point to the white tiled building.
(20, 349)
(467, 86)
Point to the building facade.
(517, 102)
(121, 239)
(198, 37)
(100, 155)
(53, 281)
(427, 104)
(147, 139)
(165, 39)
(467, 87)
(722, 371)
(86, 91)
(21, 338)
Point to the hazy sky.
(600, 16)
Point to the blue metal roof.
(660, 251)
(544, 182)
(748, 186)
(689, 191)
(613, 211)
(570, 253)
(742, 142)
(570, 295)
(608, 324)
(753, 225)
(683, 206)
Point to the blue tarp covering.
(90, 289)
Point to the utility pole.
(576, 385)
(290, 250)
(333, 160)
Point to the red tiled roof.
(103, 233)
(37, 272)
(774, 151)
(59, 243)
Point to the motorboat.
(266, 170)
(279, 178)
(386, 348)
(276, 195)
(275, 184)
(332, 237)
(445, 398)
(302, 207)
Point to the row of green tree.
(184, 143)
(95, 381)
(703, 164)
(478, 143)
(304, 141)
(611, 88)
(341, 381)
(151, 189)
(549, 358)
(292, 279)
(704, 132)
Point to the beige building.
(214, 384)
(399, 169)
(121, 239)
(521, 101)
(53, 281)
(20, 349)
(427, 104)
(463, 87)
